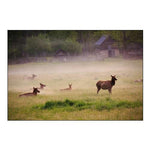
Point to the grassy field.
(82, 103)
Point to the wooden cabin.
(106, 47)
(61, 55)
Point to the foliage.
(99, 105)
(69, 46)
(73, 47)
(46, 42)
(66, 103)
(38, 46)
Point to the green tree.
(38, 46)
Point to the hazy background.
(46, 45)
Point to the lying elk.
(106, 85)
(30, 78)
(33, 76)
(42, 86)
(141, 80)
(70, 87)
(34, 93)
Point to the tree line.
(27, 43)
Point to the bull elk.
(34, 93)
(106, 85)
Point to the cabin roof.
(101, 40)
(61, 52)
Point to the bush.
(72, 47)
(69, 102)
(66, 103)
(38, 46)
(69, 46)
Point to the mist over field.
(81, 74)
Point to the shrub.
(69, 102)
(69, 46)
(73, 47)
(80, 104)
(52, 104)
(49, 105)
(38, 46)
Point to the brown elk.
(140, 80)
(106, 85)
(70, 87)
(42, 86)
(30, 77)
(34, 93)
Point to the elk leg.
(109, 91)
(98, 88)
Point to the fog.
(82, 74)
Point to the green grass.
(82, 103)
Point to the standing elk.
(106, 85)
(34, 93)
(70, 87)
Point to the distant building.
(61, 55)
(106, 47)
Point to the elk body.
(42, 86)
(70, 88)
(30, 78)
(34, 93)
(141, 80)
(106, 85)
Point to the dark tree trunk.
(124, 43)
